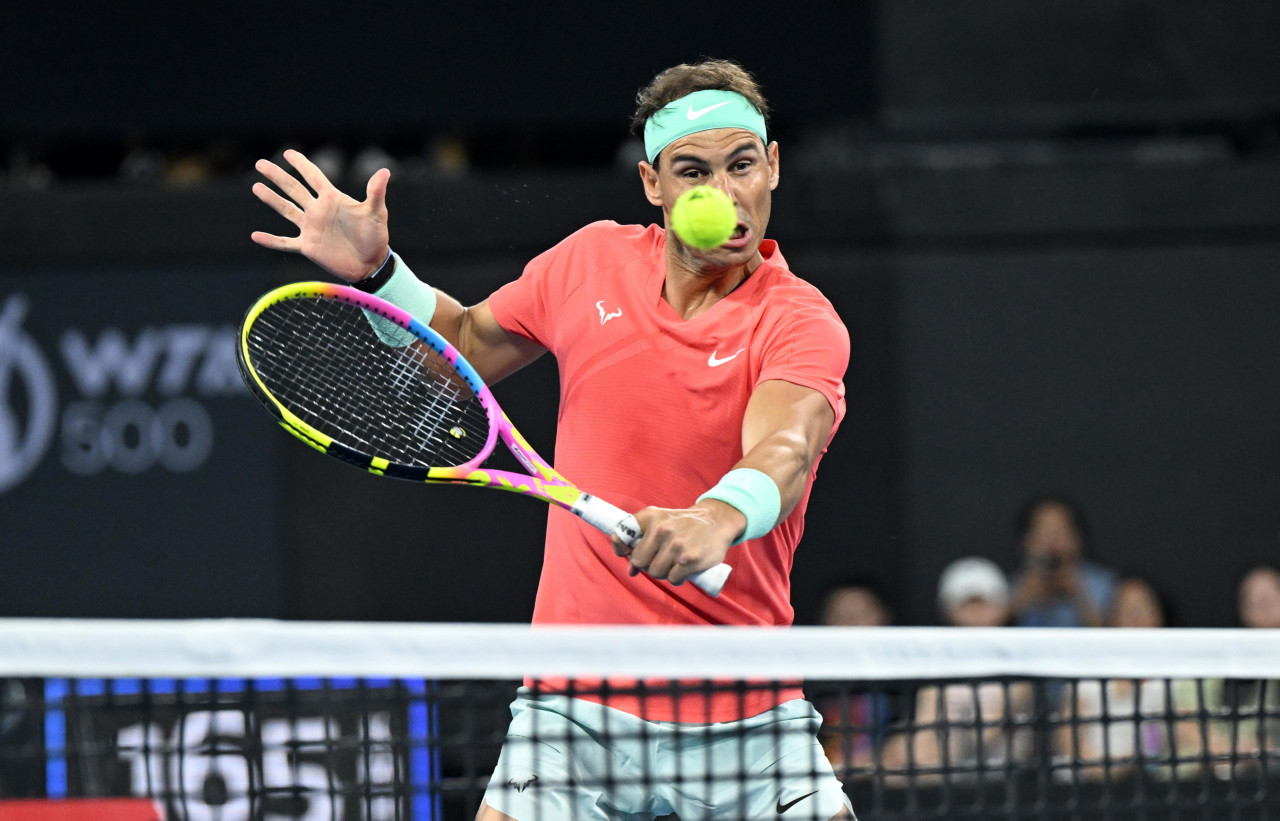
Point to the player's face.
(734, 160)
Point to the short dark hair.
(678, 81)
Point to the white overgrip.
(612, 520)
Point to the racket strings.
(322, 359)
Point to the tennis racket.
(361, 380)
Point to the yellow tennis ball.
(704, 217)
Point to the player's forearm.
(787, 459)
(784, 431)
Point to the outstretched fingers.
(285, 181)
(277, 243)
(277, 203)
(284, 208)
(309, 171)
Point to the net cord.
(262, 647)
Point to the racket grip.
(612, 519)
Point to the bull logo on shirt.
(605, 317)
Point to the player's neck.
(691, 291)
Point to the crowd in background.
(1091, 729)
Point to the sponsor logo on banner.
(138, 400)
(25, 432)
(234, 750)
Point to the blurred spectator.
(973, 727)
(973, 592)
(28, 169)
(855, 722)
(1056, 586)
(1137, 604)
(190, 168)
(1246, 732)
(1121, 724)
(854, 602)
(143, 164)
(369, 159)
(1258, 598)
(450, 157)
(330, 159)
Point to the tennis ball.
(704, 217)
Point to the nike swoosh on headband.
(704, 110)
(693, 114)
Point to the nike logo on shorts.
(781, 808)
(694, 114)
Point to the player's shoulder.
(600, 247)
(790, 296)
(615, 236)
(593, 252)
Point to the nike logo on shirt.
(713, 361)
(781, 808)
(694, 113)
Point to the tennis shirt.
(651, 410)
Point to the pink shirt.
(651, 409)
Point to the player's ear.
(649, 177)
(772, 153)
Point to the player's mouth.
(740, 237)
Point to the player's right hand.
(678, 543)
(346, 237)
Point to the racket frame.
(542, 481)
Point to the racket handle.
(612, 519)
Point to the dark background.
(1053, 229)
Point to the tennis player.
(700, 389)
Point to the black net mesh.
(997, 747)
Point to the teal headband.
(700, 111)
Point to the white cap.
(972, 578)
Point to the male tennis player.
(699, 388)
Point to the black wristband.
(379, 277)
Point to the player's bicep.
(491, 349)
(788, 416)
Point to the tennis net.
(231, 720)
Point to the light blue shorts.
(566, 759)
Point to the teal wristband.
(754, 494)
(405, 291)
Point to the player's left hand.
(680, 542)
(347, 237)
